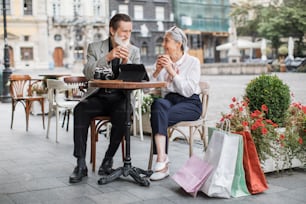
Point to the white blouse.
(186, 81)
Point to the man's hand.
(118, 52)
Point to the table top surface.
(54, 75)
(119, 84)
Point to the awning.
(241, 44)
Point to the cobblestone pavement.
(35, 170)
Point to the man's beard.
(121, 42)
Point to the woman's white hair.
(178, 35)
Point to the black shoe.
(77, 174)
(106, 167)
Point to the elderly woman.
(180, 99)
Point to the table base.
(127, 170)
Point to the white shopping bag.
(221, 153)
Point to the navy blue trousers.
(172, 109)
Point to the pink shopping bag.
(192, 175)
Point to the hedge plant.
(271, 91)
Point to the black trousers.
(100, 103)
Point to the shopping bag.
(239, 187)
(192, 175)
(222, 154)
(255, 177)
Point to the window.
(138, 12)
(26, 38)
(194, 41)
(144, 49)
(7, 7)
(27, 7)
(97, 37)
(77, 7)
(159, 49)
(97, 10)
(56, 7)
(123, 9)
(57, 37)
(26, 53)
(159, 13)
(78, 53)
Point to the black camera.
(103, 74)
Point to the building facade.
(206, 23)
(27, 33)
(51, 34)
(48, 34)
(72, 25)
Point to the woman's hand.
(160, 64)
(168, 65)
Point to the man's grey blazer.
(96, 57)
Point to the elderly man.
(104, 56)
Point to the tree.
(273, 21)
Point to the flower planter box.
(146, 124)
(271, 164)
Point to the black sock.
(81, 162)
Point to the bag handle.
(226, 125)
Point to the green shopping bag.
(239, 187)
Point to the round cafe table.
(127, 169)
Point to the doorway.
(58, 57)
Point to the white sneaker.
(161, 165)
(158, 175)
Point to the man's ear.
(111, 31)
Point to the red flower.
(240, 109)
(245, 123)
(234, 99)
(264, 131)
(255, 114)
(264, 108)
(282, 137)
(231, 106)
(275, 125)
(301, 140)
(304, 109)
(244, 103)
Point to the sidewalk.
(35, 170)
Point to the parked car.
(293, 65)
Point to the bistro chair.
(96, 124)
(21, 91)
(197, 126)
(57, 101)
(77, 90)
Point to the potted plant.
(147, 101)
(257, 112)
(38, 88)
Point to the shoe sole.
(71, 180)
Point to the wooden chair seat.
(21, 91)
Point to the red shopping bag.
(192, 175)
(255, 177)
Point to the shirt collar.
(180, 61)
